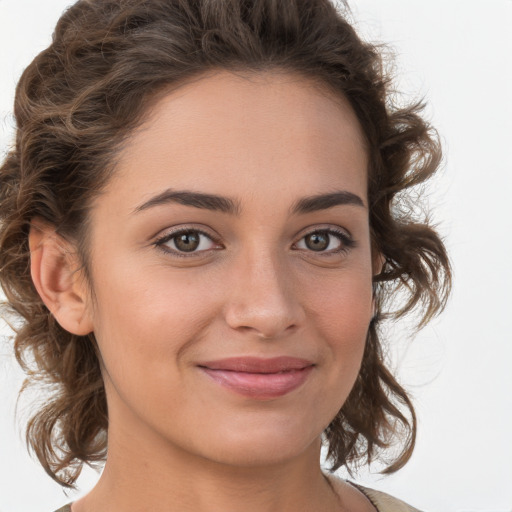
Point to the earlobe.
(54, 267)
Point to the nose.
(262, 298)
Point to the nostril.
(269, 332)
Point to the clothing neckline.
(362, 490)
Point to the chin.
(262, 445)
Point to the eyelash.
(161, 242)
(347, 242)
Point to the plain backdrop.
(456, 53)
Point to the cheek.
(147, 320)
(342, 305)
(340, 311)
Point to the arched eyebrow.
(195, 199)
(324, 201)
(223, 204)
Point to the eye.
(186, 241)
(325, 241)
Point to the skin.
(178, 440)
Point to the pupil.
(187, 242)
(317, 241)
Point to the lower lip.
(260, 386)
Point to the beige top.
(381, 501)
(384, 502)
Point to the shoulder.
(384, 502)
(65, 508)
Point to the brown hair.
(81, 97)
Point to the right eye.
(186, 241)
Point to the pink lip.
(259, 378)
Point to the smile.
(257, 378)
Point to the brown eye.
(327, 241)
(318, 241)
(187, 242)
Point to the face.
(232, 272)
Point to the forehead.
(265, 129)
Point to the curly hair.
(81, 97)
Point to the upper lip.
(258, 364)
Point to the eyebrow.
(324, 201)
(222, 204)
(196, 199)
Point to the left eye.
(187, 242)
(324, 241)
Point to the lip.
(259, 378)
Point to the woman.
(204, 220)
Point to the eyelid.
(345, 237)
(162, 239)
(329, 228)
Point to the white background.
(459, 54)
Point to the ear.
(55, 270)
(378, 262)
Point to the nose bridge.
(262, 298)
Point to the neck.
(144, 473)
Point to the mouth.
(259, 378)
